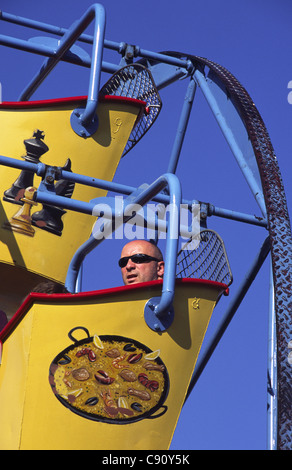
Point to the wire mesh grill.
(208, 260)
(136, 81)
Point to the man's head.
(140, 268)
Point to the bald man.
(141, 261)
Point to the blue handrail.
(83, 121)
(164, 305)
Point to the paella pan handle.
(161, 413)
(77, 328)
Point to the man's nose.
(130, 264)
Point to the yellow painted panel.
(97, 156)
(33, 252)
(13, 379)
(47, 422)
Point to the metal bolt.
(49, 179)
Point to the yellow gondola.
(39, 413)
(41, 132)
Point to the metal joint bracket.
(155, 321)
(83, 129)
(128, 52)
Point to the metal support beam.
(232, 141)
(40, 170)
(182, 127)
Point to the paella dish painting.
(110, 379)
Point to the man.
(141, 261)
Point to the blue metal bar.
(46, 197)
(164, 74)
(44, 50)
(94, 12)
(231, 141)
(26, 46)
(171, 241)
(239, 296)
(182, 127)
(40, 168)
(164, 58)
(163, 198)
(50, 198)
(118, 46)
(237, 216)
(48, 28)
(172, 237)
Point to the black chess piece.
(50, 217)
(35, 148)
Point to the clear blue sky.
(252, 39)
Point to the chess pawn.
(21, 221)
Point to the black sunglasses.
(139, 258)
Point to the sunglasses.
(139, 258)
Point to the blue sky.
(252, 39)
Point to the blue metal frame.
(85, 207)
(182, 127)
(83, 121)
(157, 311)
(233, 130)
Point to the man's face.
(134, 273)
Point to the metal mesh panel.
(136, 81)
(207, 260)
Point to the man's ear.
(160, 269)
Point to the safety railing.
(204, 257)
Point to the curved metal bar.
(141, 198)
(96, 12)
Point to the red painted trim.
(123, 99)
(67, 101)
(34, 296)
(42, 103)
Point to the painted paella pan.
(109, 378)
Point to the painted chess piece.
(21, 221)
(35, 148)
(50, 217)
